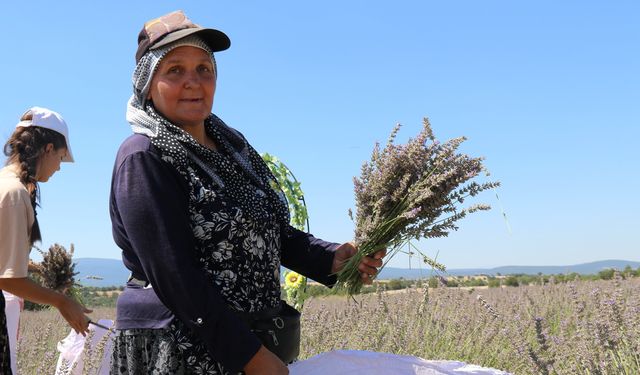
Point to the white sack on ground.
(12, 312)
(352, 362)
(72, 355)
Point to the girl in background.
(35, 150)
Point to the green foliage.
(99, 296)
(563, 278)
(511, 281)
(433, 282)
(290, 186)
(295, 288)
(32, 306)
(606, 274)
(474, 282)
(316, 290)
(396, 284)
(452, 283)
(91, 297)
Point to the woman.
(200, 226)
(35, 150)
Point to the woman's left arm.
(321, 260)
(307, 255)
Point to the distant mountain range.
(111, 272)
(583, 269)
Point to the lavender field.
(585, 327)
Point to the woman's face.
(49, 162)
(183, 86)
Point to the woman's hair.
(24, 148)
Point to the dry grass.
(40, 332)
(589, 327)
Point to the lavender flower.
(410, 191)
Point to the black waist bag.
(278, 330)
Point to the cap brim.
(215, 39)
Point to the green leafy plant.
(295, 287)
(295, 284)
(290, 186)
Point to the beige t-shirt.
(16, 219)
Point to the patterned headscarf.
(147, 66)
(252, 186)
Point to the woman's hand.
(368, 266)
(265, 363)
(72, 311)
(74, 314)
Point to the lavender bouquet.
(57, 269)
(410, 191)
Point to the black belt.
(248, 318)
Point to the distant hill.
(583, 269)
(111, 272)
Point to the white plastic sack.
(71, 348)
(352, 362)
(12, 312)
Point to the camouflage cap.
(173, 26)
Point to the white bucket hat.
(46, 118)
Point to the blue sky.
(547, 91)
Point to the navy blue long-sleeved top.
(150, 221)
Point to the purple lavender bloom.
(413, 213)
(443, 280)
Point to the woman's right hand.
(264, 362)
(74, 314)
(72, 311)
